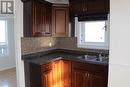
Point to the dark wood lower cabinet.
(64, 73)
(80, 78)
(89, 75)
(96, 81)
(32, 75)
(47, 75)
(47, 79)
(56, 74)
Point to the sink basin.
(93, 59)
(98, 60)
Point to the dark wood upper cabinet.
(41, 19)
(37, 18)
(60, 20)
(83, 7)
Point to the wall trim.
(6, 68)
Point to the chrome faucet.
(100, 57)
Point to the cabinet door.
(80, 74)
(80, 78)
(107, 6)
(27, 19)
(62, 73)
(60, 21)
(38, 19)
(48, 21)
(83, 7)
(42, 19)
(89, 75)
(76, 8)
(57, 74)
(47, 75)
(47, 79)
(95, 6)
(96, 81)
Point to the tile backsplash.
(37, 44)
(71, 44)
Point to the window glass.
(2, 31)
(95, 31)
(93, 34)
(3, 37)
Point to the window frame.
(92, 45)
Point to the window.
(95, 31)
(93, 34)
(3, 37)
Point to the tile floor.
(8, 78)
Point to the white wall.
(18, 34)
(119, 73)
(8, 61)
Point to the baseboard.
(7, 68)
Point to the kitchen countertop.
(58, 54)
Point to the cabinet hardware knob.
(86, 9)
(47, 33)
(83, 9)
(43, 32)
(86, 74)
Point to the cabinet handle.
(83, 9)
(47, 33)
(86, 9)
(86, 74)
(43, 32)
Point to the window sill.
(105, 47)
